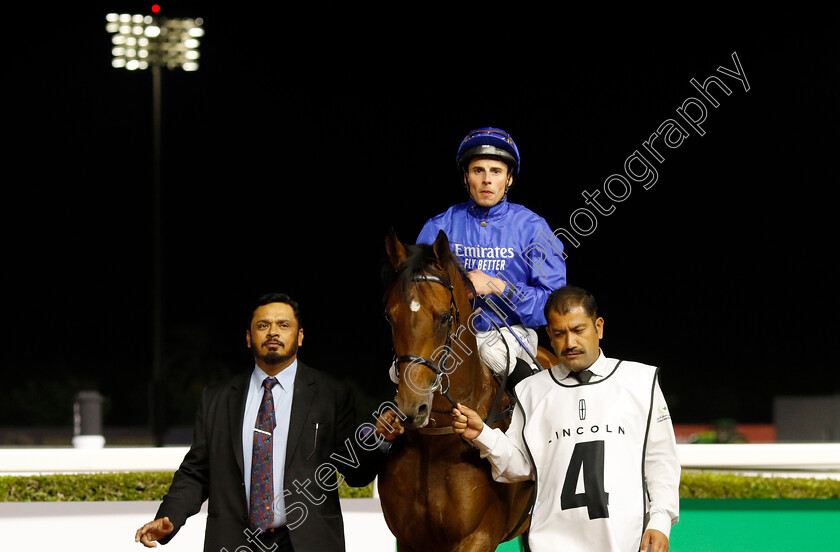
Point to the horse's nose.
(421, 416)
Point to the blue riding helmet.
(489, 142)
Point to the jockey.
(513, 259)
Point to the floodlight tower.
(142, 42)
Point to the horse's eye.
(445, 319)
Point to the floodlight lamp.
(140, 41)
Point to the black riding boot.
(521, 371)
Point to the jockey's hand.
(466, 423)
(486, 285)
(388, 425)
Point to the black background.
(299, 141)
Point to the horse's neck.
(483, 387)
(475, 382)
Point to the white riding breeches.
(497, 356)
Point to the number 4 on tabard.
(589, 458)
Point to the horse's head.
(427, 305)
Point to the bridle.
(495, 412)
(454, 322)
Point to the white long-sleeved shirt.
(603, 456)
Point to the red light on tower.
(155, 8)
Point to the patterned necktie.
(583, 376)
(262, 467)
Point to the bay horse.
(435, 490)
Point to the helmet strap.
(510, 181)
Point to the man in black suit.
(305, 417)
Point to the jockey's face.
(575, 337)
(487, 178)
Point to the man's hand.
(153, 531)
(486, 285)
(654, 541)
(467, 423)
(388, 425)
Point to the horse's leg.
(402, 547)
(477, 542)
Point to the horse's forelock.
(420, 259)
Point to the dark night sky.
(296, 145)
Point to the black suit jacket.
(213, 466)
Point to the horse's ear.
(441, 247)
(394, 248)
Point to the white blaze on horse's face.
(414, 306)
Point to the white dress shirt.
(282, 396)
